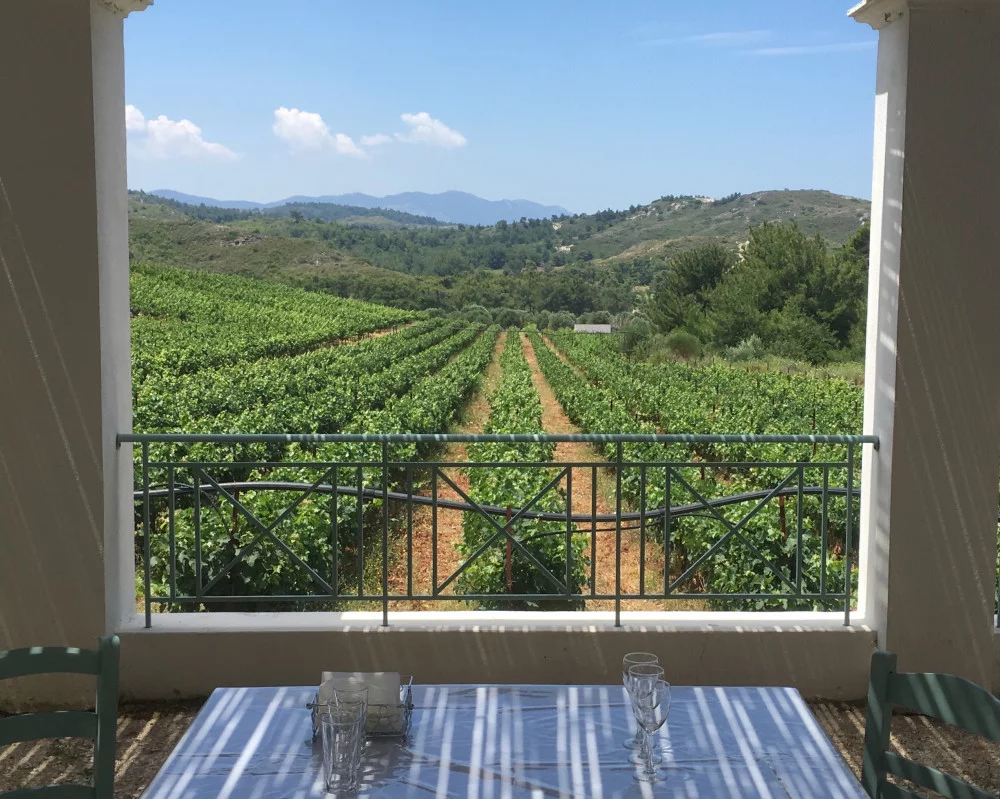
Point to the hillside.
(576, 263)
(153, 206)
(654, 226)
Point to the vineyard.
(257, 523)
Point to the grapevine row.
(185, 320)
(607, 407)
(429, 406)
(516, 408)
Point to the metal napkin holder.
(383, 721)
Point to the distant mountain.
(192, 199)
(455, 207)
(154, 206)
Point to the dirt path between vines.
(555, 420)
(449, 523)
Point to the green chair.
(942, 696)
(99, 726)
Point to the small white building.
(591, 328)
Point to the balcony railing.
(254, 522)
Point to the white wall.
(60, 186)
(929, 511)
(191, 654)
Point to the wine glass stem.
(648, 742)
(643, 746)
(638, 737)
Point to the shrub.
(562, 321)
(683, 344)
(749, 349)
(637, 337)
(477, 315)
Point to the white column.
(932, 388)
(66, 560)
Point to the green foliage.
(185, 320)
(615, 396)
(562, 321)
(477, 314)
(750, 349)
(683, 344)
(429, 404)
(682, 295)
(800, 299)
(586, 264)
(516, 408)
(636, 337)
(152, 205)
(594, 318)
(510, 317)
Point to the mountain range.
(454, 207)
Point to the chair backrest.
(99, 726)
(942, 696)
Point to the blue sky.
(583, 103)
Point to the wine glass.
(651, 705)
(636, 659)
(642, 677)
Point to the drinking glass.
(651, 705)
(353, 694)
(641, 678)
(635, 659)
(341, 734)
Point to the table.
(512, 741)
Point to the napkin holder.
(383, 720)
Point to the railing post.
(847, 535)
(359, 533)
(434, 530)
(798, 530)
(823, 535)
(618, 534)
(171, 531)
(197, 531)
(593, 530)
(569, 532)
(409, 529)
(508, 567)
(146, 530)
(642, 531)
(666, 531)
(385, 533)
(335, 533)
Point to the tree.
(683, 292)
(789, 290)
(637, 337)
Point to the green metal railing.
(184, 477)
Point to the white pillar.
(66, 562)
(932, 388)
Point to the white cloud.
(305, 130)
(376, 140)
(717, 38)
(424, 129)
(165, 138)
(134, 119)
(841, 47)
